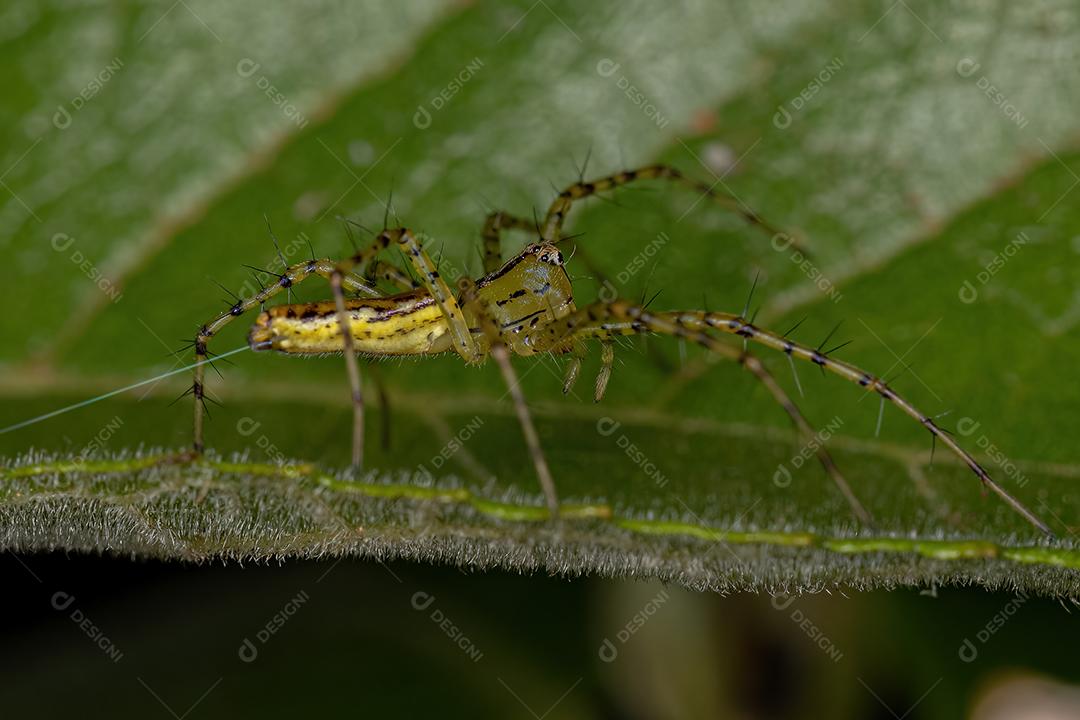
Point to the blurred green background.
(926, 151)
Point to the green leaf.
(936, 212)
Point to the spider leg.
(464, 343)
(606, 331)
(578, 351)
(292, 275)
(388, 272)
(384, 405)
(694, 324)
(577, 354)
(551, 228)
(471, 351)
(495, 223)
(499, 351)
(432, 282)
(352, 368)
(607, 360)
(378, 269)
(494, 226)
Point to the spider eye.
(545, 253)
(551, 256)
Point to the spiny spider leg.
(352, 368)
(578, 352)
(495, 223)
(494, 226)
(471, 300)
(551, 228)
(464, 343)
(388, 272)
(607, 359)
(432, 283)
(292, 275)
(621, 316)
(384, 405)
(605, 331)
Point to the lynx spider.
(524, 306)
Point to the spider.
(523, 306)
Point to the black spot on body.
(508, 298)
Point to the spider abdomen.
(406, 324)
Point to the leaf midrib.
(577, 517)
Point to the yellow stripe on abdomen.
(410, 324)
